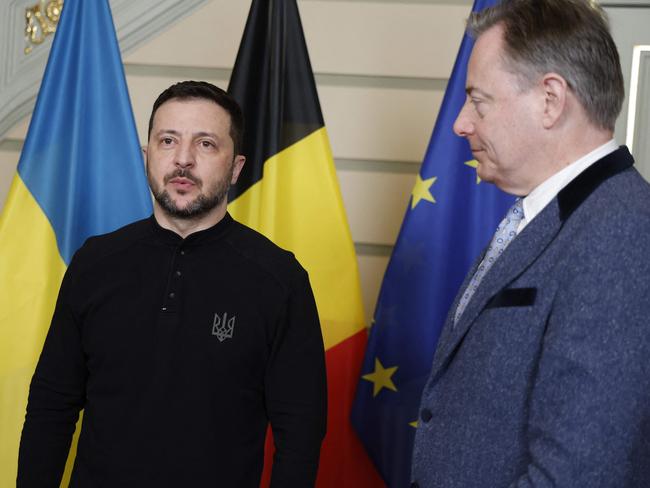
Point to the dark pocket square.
(513, 297)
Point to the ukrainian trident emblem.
(223, 327)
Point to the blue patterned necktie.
(504, 234)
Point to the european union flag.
(450, 218)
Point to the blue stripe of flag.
(82, 160)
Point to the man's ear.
(555, 98)
(238, 164)
(144, 155)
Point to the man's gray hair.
(567, 37)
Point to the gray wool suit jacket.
(545, 379)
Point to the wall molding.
(21, 74)
(328, 79)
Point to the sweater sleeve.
(56, 395)
(296, 391)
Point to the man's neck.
(186, 226)
(579, 148)
(562, 150)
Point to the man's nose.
(184, 156)
(463, 125)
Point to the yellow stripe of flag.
(29, 291)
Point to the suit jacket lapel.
(449, 327)
(526, 248)
(517, 257)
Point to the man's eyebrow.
(177, 133)
(205, 134)
(472, 90)
(167, 131)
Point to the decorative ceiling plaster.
(21, 73)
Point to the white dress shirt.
(537, 199)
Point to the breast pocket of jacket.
(513, 297)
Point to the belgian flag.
(289, 192)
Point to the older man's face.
(500, 120)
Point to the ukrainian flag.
(80, 174)
(450, 217)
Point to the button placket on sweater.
(171, 297)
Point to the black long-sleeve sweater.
(180, 351)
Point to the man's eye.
(478, 106)
(167, 140)
(207, 144)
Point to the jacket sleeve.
(296, 391)
(590, 405)
(56, 395)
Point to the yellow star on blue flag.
(474, 164)
(381, 378)
(421, 191)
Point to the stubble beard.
(201, 205)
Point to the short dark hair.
(186, 90)
(568, 37)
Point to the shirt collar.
(170, 237)
(536, 200)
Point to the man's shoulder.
(97, 247)
(624, 197)
(634, 192)
(612, 226)
(261, 252)
(606, 190)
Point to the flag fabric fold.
(288, 191)
(449, 219)
(80, 174)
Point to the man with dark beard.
(182, 336)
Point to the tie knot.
(516, 212)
